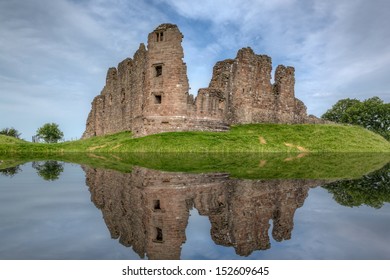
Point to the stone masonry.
(150, 93)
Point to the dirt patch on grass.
(299, 148)
(262, 163)
(262, 140)
(96, 147)
(302, 149)
(116, 147)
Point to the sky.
(54, 54)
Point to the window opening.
(156, 205)
(159, 235)
(123, 96)
(159, 36)
(158, 70)
(157, 99)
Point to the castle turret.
(167, 93)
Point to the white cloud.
(54, 56)
(339, 48)
(61, 50)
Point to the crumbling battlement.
(150, 93)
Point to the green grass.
(10, 140)
(243, 138)
(246, 151)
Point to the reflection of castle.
(149, 209)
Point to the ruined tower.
(166, 74)
(167, 101)
(249, 96)
(149, 93)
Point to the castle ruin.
(150, 93)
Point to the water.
(57, 210)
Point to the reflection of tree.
(372, 189)
(10, 171)
(49, 170)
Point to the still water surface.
(56, 210)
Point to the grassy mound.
(9, 140)
(244, 138)
(257, 138)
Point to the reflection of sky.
(323, 229)
(53, 220)
(57, 220)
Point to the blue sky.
(54, 54)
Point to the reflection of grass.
(266, 165)
(259, 138)
(246, 151)
(108, 161)
(239, 165)
(11, 162)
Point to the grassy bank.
(258, 138)
(247, 151)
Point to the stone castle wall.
(119, 107)
(150, 93)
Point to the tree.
(50, 133)
(338, 112)
(372, 114)
(10, 132)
